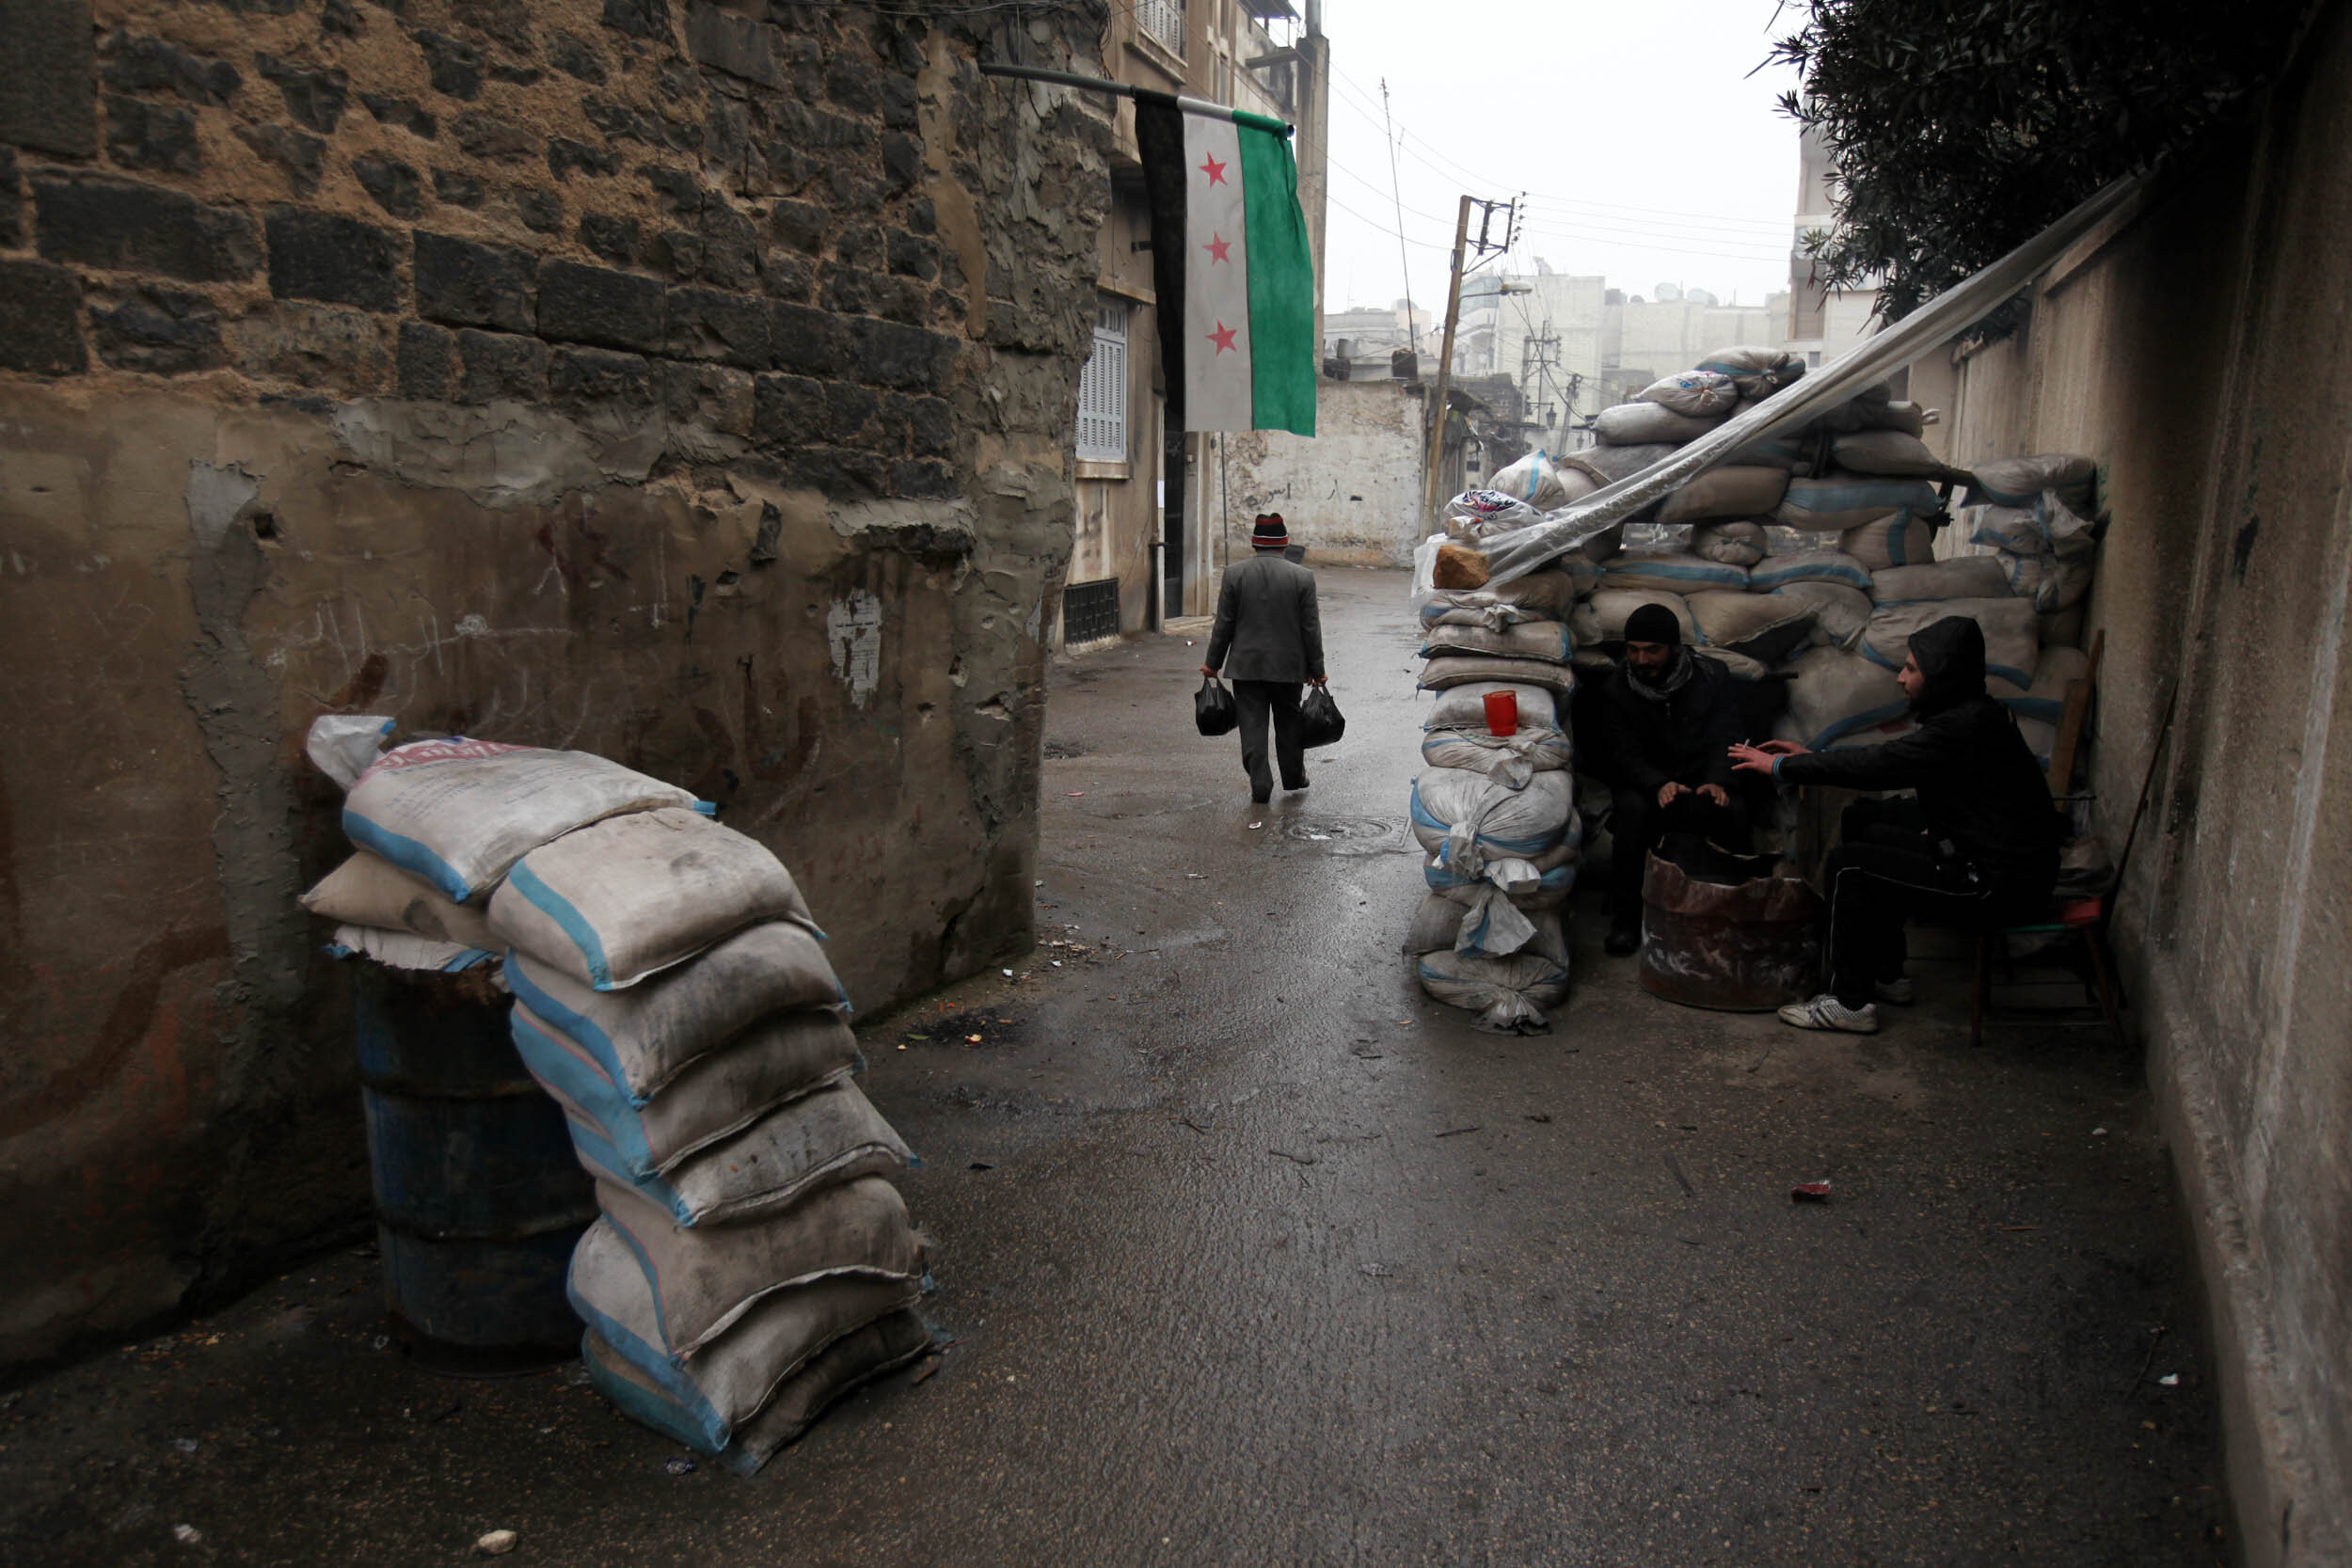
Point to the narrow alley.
(1252, 1254)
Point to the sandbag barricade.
(672, 995)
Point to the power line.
(1396, 192)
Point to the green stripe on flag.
(1281, 287)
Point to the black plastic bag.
(1213, 709)
(1319, 720)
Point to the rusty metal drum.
(1740, 945)
(478, 1197)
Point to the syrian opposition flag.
(1230, 262)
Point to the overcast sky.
(1648, 151)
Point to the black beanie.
(1654, 623)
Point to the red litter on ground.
(1810, 1192)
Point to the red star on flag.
(1223, 337)
(1217, 247)
(1215, 170)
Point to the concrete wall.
(1350, 494)
(2202, 351)
(690, 386)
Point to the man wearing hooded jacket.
(1991, 851)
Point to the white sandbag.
(1601, 618)
(458, 813)
(1463, 707)
(1509, 994)
(2019, 481)
(825, 1137)
(624, 899)
(846, 1364)
(2012, 633)
(715, 1392)
(369, 890)
(1898, 539)
(643, 1038)
(1492, 511)
(1906, 419)
(1886, 451)
(401, 949)
(1726, 492)
(342, 745)
(1493, 928)
(1739, 666)
(1543, 595)
(1542, 639)
(1472, 819)
(1837, 694)
(1610, 463)
(1462, 669)
(2048, 526)
(1840, 613)
(1642, 425)
(774, 1061)
(1835, 502)
(1739, 543)
(1669, 571)
(1756, 371)
(1534, 479)
(1764, 626)
(702, 1281)
(1696, 394)
(2044, 700)
(1509, 760)
(2048, 582)
(1962, 577)
(1779, 571)
(1530, 882)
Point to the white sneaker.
(1826, 1012)
(1900, 990)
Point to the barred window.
(1102, 387)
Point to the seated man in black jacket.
(1991, 851)
(1668, 723)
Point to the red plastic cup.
(1502, 713)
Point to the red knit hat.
(1269, 533)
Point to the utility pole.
(1453, 319)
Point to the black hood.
(1951, 656)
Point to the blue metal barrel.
(478, 1198)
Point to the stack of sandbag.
(671, 993)
(1495, 813)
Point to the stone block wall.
(691, 384)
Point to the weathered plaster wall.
(1351, 493)
(683, 384)
(2203, 353)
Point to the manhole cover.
(1347, 835)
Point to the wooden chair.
(2085, 919)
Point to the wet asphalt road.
(1253, 1255)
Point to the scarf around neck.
(1677, 673)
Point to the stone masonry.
(687, 383)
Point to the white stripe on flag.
(1218, 385)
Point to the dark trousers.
(1636, 826)
(1256, 700)
(1882, 875)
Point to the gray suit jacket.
(1267, 622)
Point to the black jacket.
(1686, 738)
(1978, 782)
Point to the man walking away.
(1268, 629)
(1991, 851)
(1668, 721)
